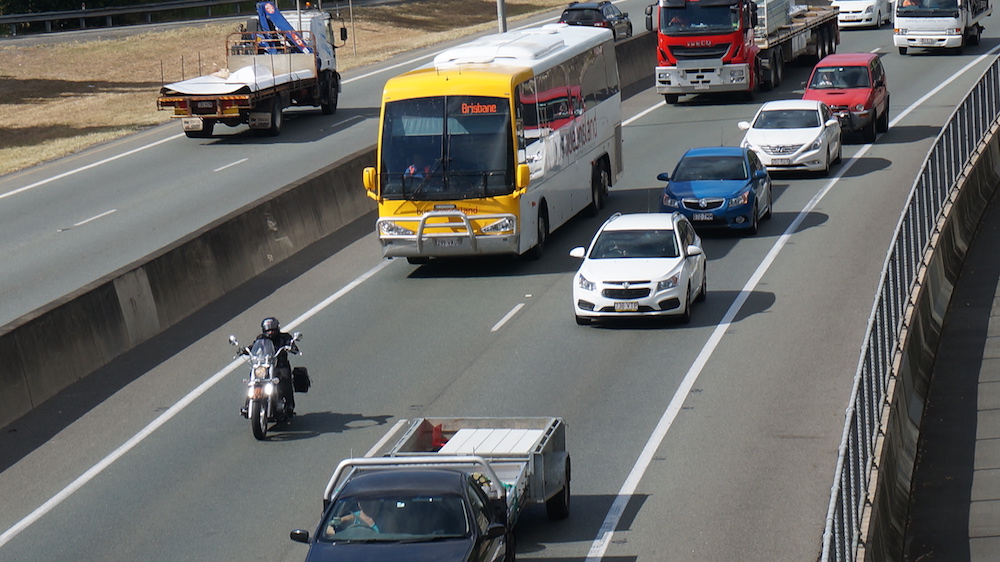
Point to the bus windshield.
(447, 148)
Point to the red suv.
(854, 86)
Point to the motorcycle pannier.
(300, 379)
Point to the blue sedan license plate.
(702, 217)
(626, 306)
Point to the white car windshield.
(787, 119)
(615, 244)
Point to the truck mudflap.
(696, 77)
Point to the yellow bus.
(496, 143)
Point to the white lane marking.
(95, 217)
(230, 165)
(87, 167)
(167, 415)
(509, 315)
(600, 545)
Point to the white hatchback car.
(642, 264)
(794, 135)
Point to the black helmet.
(269, 325)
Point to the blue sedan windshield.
(710, 168)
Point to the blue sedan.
(722, 186)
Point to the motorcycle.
(264, 404)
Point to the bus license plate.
(702, 217)
(781, 162)
(626, 307)
(448, 242)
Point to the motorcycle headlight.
(741, 199)
(260, 372)
(585, 284)
(668, 283)
(269, 389)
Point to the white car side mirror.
(743, 125)
(578, 252)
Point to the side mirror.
(343, 34)
(299, 535)
(663, 176)
(832, 122)
(495, 531)
(369, 178)
(232, 340)
(760, 174)
(693, 250)
(649, 17)
(578, 252)
(297, 336)
(743, 125)
(522, 176)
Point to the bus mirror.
(523, 177)
(368, 178)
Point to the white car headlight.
(668, 283)
(585, 284)
(816, 144)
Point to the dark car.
(722, 186)
(854, 86)
(420, 515)
(598, 14)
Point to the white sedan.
(863, 13)
(794, 135)
(642, 264)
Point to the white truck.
(939, 24)
(706, 46)
(443, 489)
(270, 65)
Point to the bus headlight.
(393, 229)
(505, 224)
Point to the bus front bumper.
(425, 237)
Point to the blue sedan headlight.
(669, 201)
(741, 199)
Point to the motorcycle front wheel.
(258, 420)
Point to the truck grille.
(694, 53)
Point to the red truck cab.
(704, 45)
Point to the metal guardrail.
(933, 189)
(81, 16)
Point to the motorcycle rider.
(271, 329)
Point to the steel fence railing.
(953, 149)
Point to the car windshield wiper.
(433, 538)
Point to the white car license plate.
(626, 307)
(850, 18)
(448, 242)
(781, 161)
(702, 217)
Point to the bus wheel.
(599, 189)
(543, 234)
(671, 98)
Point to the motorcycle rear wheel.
(258, 420)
